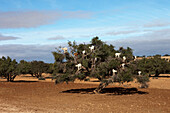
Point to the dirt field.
(28, 94)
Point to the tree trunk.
(75, 60)
(64, 70)
(12, 78)
(8, 78)
(100, 87)
(156, 73)
(36, 75)
(40, 75)
(32, 75)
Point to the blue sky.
(31, 29)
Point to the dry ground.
(28, 94)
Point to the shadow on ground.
(108, 91)
(26, 81)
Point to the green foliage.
(41, 78)
(103, 70)
(24, 67)
(143, 80)
(114, 64)
(154, 65)
(125, 76)
(39, 67)
(58, 57)
(98, 63)
(128, 53)
(167, 68)
(8, 68)
(80, 76)
(64, 78)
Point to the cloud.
(29, 19)
(140, 46)
(157, 23)
(122, 32)
(2, 37)
(145, 47)
(155, 34)
(155, 42)
(57, 38)
(28, 52)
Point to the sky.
(32, 29)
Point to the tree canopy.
(97, 60)
(10, 68)
(153, 66)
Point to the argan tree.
(8, 68)
(35, 68)
(38, 67)
(24, 67)
(153, 65)
(96, 60)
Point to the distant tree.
(166, 55)
(8, 68)
(24, 67)
(38, 67)
(154, 65)
(97, 63)
(50, 68)
(168, 68)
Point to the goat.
(135, 57)
(123, 65)
(117, 55)
(139, 72)
(79, 66)
(114, 71)
(91, 48)
(95, 59)
(124, 58)
(83, 52)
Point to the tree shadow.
(49, 77)
(28, 76)
(24, 81)
(107, 91)
(94, 81)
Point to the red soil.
(47, 97)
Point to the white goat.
(114, 71)
(64, 49)
(124, 58)
(83, 52)
(95, 59)
(79, 66)
(139, 72)
(91, 48)
(123, 65)
(117, 55)
(135, 57)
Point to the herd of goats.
(117, 55)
